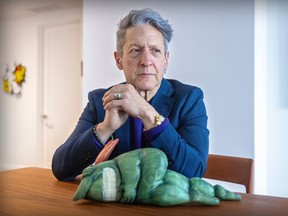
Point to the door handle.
(44, 116)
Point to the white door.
(62, 85)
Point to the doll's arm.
(129, 165)
(153, 168)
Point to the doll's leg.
(173, 178)
(169, 195)
(202, 186)
(177, 189)
(198, 197)
(209, 190)
(202, 192)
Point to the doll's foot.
(199, 198)
(225, 194)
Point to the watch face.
(159, 119)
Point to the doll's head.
(104, 187)
(100, 182)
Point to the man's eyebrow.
(134, 45)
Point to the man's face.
(144, 61)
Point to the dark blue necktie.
(136, 133)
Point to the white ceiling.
(11, 9)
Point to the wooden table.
(35, 191)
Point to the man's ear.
(118, 60)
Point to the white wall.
(277, 97)
(271, 97)
(19, 126)
(212, 48)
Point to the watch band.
(103, 142)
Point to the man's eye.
(154, 50)
(134, 51)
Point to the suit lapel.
(162, 101)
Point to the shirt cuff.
(155, 131)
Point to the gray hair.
(140, 17)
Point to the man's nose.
(146, 58)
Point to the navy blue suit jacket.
(184, 141)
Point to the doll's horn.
(106, 151)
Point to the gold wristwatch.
(158, 120)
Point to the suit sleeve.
(80, 149)
(186, 139)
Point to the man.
(145, 111)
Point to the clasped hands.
(121, 101)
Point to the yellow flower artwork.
(19, 74)
(13, 77)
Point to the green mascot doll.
(141, 176)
